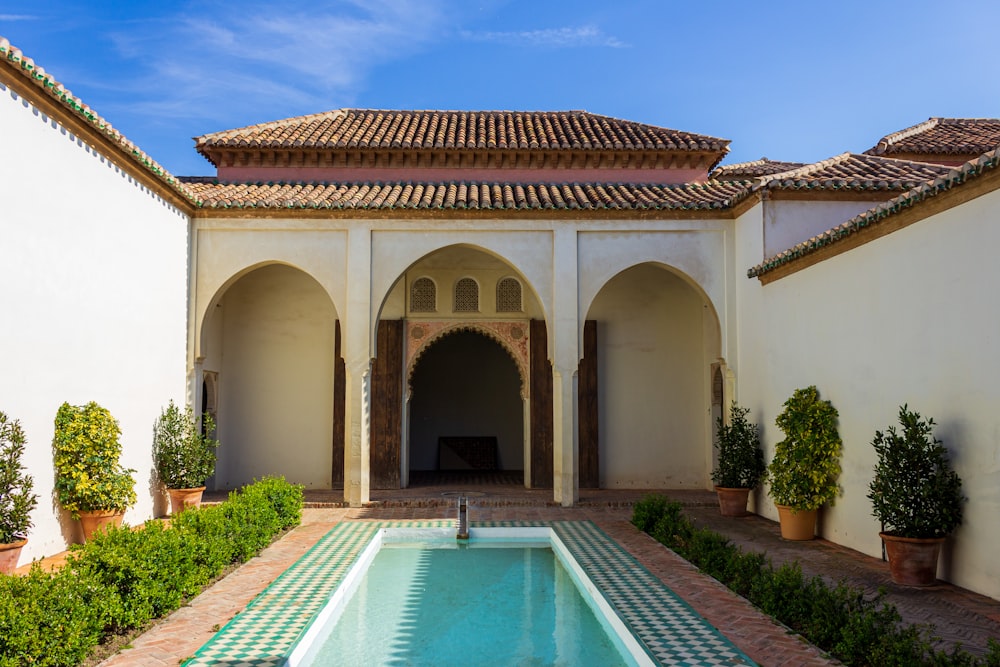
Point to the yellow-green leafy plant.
(16, 497)
(86, 451)
(803, 473)
(184, 456)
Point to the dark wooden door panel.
(387, 406)
(541, 408)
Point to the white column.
(565, 361)
(357, 361)
(356, 460)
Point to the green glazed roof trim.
(39, 77)
(967, 172)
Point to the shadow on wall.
(157, 493)
(70, 528)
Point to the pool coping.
(671, 631)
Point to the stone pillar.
(565, 355)
(356, 460)
(357, 363)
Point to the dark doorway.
(466, 413)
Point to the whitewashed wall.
(275, 366)
(909, 318)
(93, 283)
(653, 374)
(790, 222)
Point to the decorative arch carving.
(512, 337)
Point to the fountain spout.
(463, 518)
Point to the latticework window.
(509, 296)
(423, 296)
(466, 296)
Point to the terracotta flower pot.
(912, 560)
(95, 520)
(732, 502)
(797, 525)
(9, 555)
(181, 499)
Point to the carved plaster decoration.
(512, 337)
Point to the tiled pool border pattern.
(264, 634)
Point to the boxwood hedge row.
(124, 578)
(856, 628)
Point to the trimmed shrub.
(51, 618)
(854, 627)
(122, 579)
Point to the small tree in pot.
(806, 464)
(916, 496)
(17, 499)
(90, 481)
(184, 455)
(741, 461)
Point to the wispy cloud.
(550, 37)
(18, 17)
(311, 59)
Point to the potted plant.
(803, 473)
(916, 496)
(741, 461)
(184, 456)
(16, 497)
(90, 481)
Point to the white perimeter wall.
(909, 318)
(93, 283)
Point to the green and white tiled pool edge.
(265, 633)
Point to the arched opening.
(467, 280)
(466, 411)
(268, 371)
(658, 338)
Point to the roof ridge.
(926, 190)
(806, 170)
(56, 91)
(332, 114)
(895, 137)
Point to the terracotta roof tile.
(927, 190)
(466, 196)
(850, 171)
(48, 85)
(380, 128)
(750, 170)
(942, 137)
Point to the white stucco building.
(361, 296)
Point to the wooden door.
(587, 409)
(339, 410)
(541, 408)
(387, 406)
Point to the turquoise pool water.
(277, 628)
(489, 602)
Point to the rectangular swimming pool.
(278, 627)
(426, 598)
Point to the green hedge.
(124, 578)
(842, 620)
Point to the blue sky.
(798, 81)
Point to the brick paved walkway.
(959, 615)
